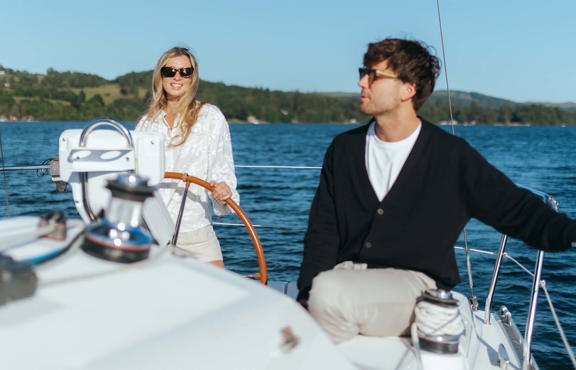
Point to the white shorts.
(201, 244)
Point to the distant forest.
(73, 96)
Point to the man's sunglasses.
(373, 74)
(185, 72)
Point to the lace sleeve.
(221, 159)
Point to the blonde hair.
(188, 107)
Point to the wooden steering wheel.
(262, 275)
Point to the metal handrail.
(553, 203)
(83, 176)
(494, 280)
(526, 349)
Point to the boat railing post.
(532, 311)
(527, 352)
(495, 274)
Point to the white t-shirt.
(384, 159)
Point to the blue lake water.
(542, 158)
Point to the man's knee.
(370, 302)
(325, 292)
(330, 307)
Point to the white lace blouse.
(206, 154)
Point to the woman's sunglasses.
(185, 72)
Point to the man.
(394, 196)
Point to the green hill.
(73, 96)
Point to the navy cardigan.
(443, 184)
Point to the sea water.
(277, 199)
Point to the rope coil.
(438, 322)
(435, 320)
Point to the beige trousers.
(351, 300)
(202, 244)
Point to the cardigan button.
(368, 244)
(380, 211)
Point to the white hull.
(175, 313)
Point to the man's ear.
(408, 90)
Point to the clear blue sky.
(511, 49)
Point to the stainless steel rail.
(25, 168)
(83, 138)
(495, 273)
(526, 349)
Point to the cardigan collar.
(358, 146)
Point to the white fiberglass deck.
(175, 313)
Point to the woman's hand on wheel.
(221, 191)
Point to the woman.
(198, 144)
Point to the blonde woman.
(198, 144)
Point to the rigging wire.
(558, 325)
(5, 179)
(445, 66)
(45, 167)
(280, 167)
(473, 299)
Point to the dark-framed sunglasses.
(185, 72)
(373, 74)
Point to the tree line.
(74, 96)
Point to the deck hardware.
(289, 340)
(438, 321)
(118, 236)
(505, 315)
